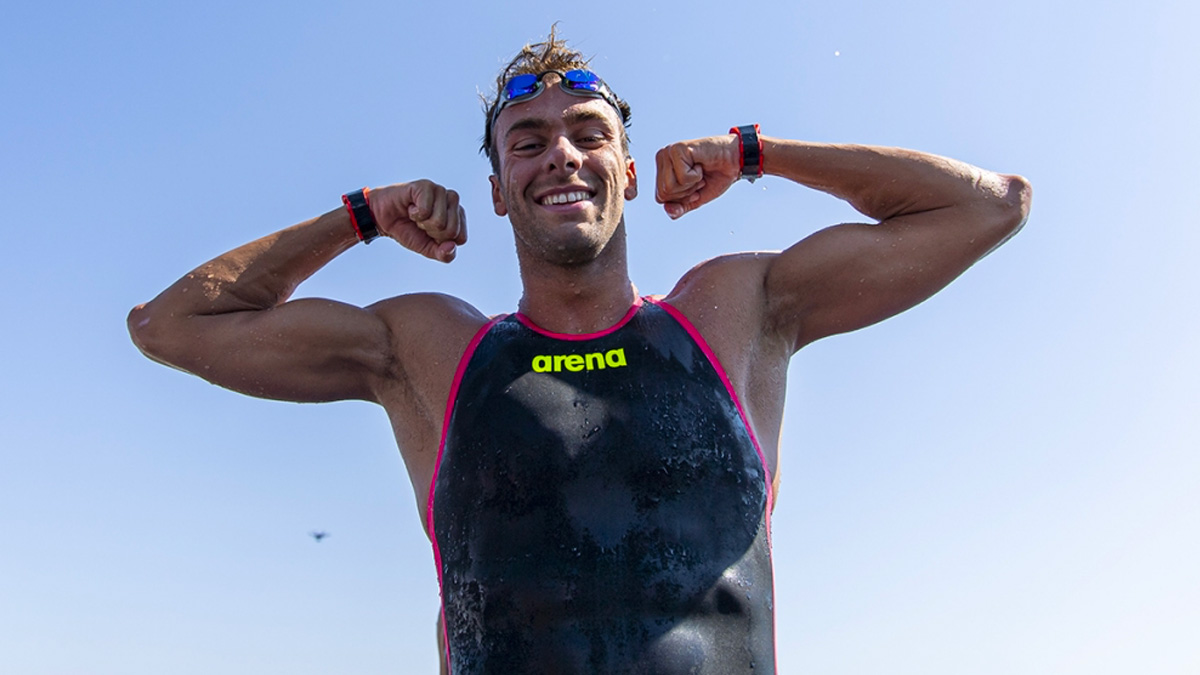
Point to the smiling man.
(596, 470)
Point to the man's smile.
(565, 196)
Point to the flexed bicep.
(937, 217)
(229, 320)
(852, 275)
(304, 350)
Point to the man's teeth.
(565, 198)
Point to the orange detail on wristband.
(350, 210)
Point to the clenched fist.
(423, 216)
(693, 173)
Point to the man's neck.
(577, 299)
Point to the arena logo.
(556, 363)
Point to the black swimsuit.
(600, 505)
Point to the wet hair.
(537, 58)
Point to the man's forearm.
(883, 182)
(262, 273)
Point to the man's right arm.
(229, 321)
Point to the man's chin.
(565, 241)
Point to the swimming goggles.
(578, 82)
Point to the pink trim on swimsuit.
(458, 375)
(528, 323)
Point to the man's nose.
(563, 155)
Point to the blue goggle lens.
(582, 80)
(572, 80)
(521, 85)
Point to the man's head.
(536, 59)
(562, 172)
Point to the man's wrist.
(358, 205)
(750, 151)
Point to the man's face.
(563, 174)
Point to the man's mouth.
(565, 198)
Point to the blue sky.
(1000, 480)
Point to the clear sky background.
(1002, 480)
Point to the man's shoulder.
(725, 298)
(732, 277)
(436, 320)
(422, 303)
(428, 334)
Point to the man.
(596, 471)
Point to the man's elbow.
(1018, 197)
(146, 332)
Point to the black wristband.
(750, 147)
(360, 215)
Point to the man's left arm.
(936, 217)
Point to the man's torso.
(600, 506)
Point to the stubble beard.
(553, 243)
(573, 249)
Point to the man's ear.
(498, 204)
(631, 178)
